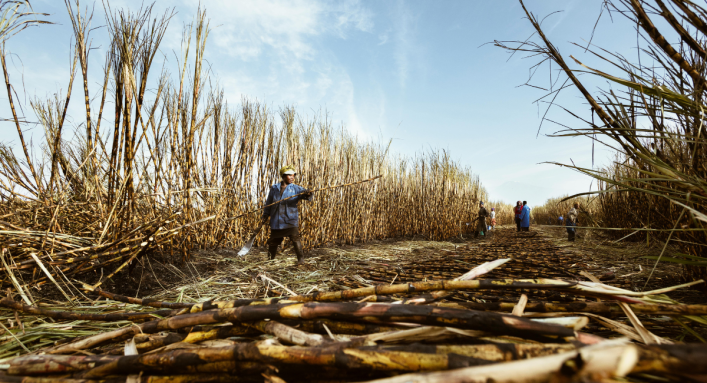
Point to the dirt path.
(542, 253)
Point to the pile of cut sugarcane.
(387, 333)
(31, 258)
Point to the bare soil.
(544, 252)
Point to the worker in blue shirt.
(525, 217)
(284, 217)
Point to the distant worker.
(493, 219)
(517, 211)
(284, 217)
(572, 220)
(481, 225)
(561, 220)
(525, 217)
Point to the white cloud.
(248, 27)
(272, 50)
(352, 14)
(384, 37)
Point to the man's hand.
(265, 219)
(307, 193)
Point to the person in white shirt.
(572, 220)
(493, 219)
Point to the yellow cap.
(287, 170)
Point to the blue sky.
(416, 72)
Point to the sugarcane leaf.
(676, 260)
(692, 257)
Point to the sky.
(422, 73)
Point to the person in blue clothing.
(525, 217)
(284, 217)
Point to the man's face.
(288, 178)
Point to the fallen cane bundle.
(368, 340)
(378, 312)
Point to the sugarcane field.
(353, 191)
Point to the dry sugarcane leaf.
(647, 336)
(17, 285)
(51, 277)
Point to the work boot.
(272, 252)
(299, 252)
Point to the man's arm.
(307, 196)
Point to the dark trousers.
(571, 232)
(480, 228)
(525, 228)
(517, 224)
(277, 236)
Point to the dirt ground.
(221, 275)
(542, 253)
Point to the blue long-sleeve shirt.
(525, 216)
(284, 215)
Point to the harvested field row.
(224, 324)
